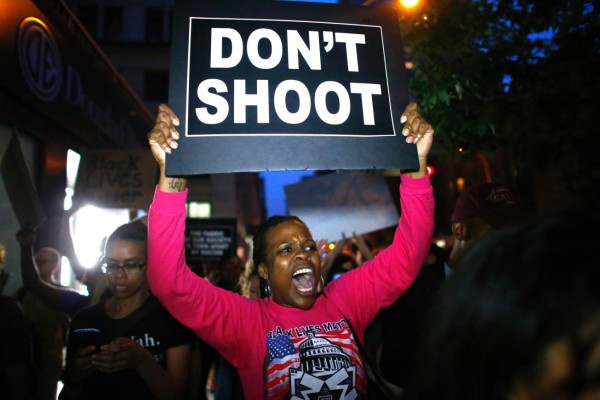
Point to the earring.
(320, 289)
(265, 289)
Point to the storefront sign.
(19, 186)
(51, 66)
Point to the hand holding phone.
(85, 337)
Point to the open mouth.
(304, 281)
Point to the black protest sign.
(209, 239)
(269, 85)
(116, 179)
(19, 186)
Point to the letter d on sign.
(217, 60)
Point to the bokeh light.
(409, 3)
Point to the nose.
(302, 254)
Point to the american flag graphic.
(283, 354)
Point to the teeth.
(302, 271)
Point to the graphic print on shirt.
(315, 362)
(149, 342)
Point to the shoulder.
(158, 319)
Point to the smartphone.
(84, 337)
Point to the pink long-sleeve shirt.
(282, 352)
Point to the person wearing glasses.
(128, 346)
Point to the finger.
(414, 121)
(163, 108)
(85, 351)
(411, 116)
(416, 127)
(165, 125)
(162, 136)
(102, 365)
(410, 107)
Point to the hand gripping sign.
(271, 85)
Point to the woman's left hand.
(119, 355)
(417, 130)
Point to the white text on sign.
(217, 108)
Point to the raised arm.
(62, 299)
(211, 312)
(163, 139)
(379, 282)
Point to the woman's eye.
(284, 250)
(310, 247)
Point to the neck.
(48, 279)
(119, 307)
(457, 251)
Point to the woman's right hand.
(163, 136)
(163, 139)
(81, 365)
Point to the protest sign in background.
(116, 179)
(209, 239)
(20, 188)
(270, 85)
(342, 203)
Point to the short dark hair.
(134, 230)
(259, 240)
(512, 295)
(492, 202)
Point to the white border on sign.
(187, 81)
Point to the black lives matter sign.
(323, 86)
(116, 179)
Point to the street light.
(409, 3)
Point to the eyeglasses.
(110, 268)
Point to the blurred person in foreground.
(48, 317)
(37, 272)
(16, 352)
(128, 346)
(302, 338)
(520, 318)
(479, 211)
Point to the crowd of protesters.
(510, 311)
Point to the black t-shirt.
(156, 330)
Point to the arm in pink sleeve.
(379, 282)
(209, 311)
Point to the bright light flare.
(409, 3)
(89, 226)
